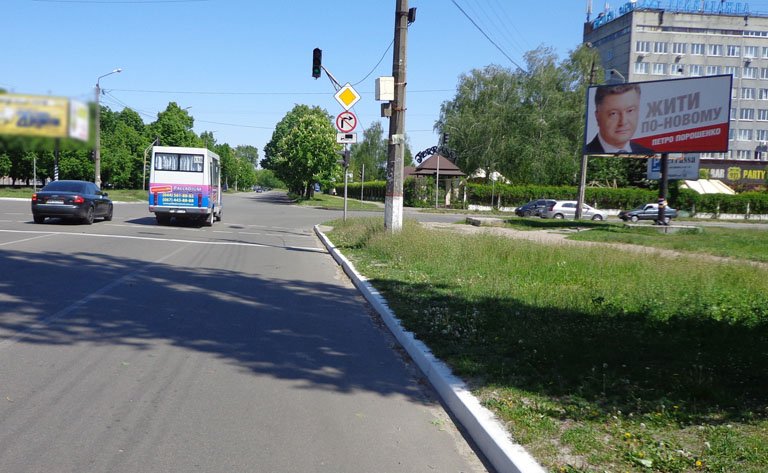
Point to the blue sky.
(241, 65)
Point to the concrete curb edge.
(481, 424)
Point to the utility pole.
(663, 189)
(584, 158)
(393, 201)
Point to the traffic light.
(317, 60)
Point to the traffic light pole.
(393, 201)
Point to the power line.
(377, 64)
(486, 36)
(198, 92)
(120, 1)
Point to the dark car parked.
(534, 208)
(647, 212)
(80, 200)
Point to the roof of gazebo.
(429, 167)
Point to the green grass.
(326, 201)
(596, 360)
(121, 195)
(737, 243)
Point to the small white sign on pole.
(350, 138)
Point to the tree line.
(125, 139)
(527, 125)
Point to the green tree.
(528, 125)
(248, 153)
(123, 142)
(5, 164)
(303, 149)
(174, 127)
(371, 152)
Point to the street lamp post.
(97, 147)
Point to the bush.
(421, 193)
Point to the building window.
(731, 134)
(761, 135)
(747, 114)
(764, 72)
(748, 93)
(732, 70)
(762, 115)
(732, 51)
(694, 70)
(714, 50)
(698, 49)
(643, 47)
(734, 93)
(677, 70)
(659, 69)
(660, 47)
(713, 70)
(762, 94)
(641, 68)
(744, 134)
(750, 51)
(743, 154)
(750, 73)
(765, 52)
(733, 113)
(679, 48)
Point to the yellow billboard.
(34, 115)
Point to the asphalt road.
(131, 347)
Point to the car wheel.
(634, 218)
(38, 218)
(218, 216)
(162, 219)
(527, 213)
(108, 217)
(559, 216)
(597, 217)
(88, 216)
(209, 220)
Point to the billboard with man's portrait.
(667, 116)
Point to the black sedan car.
(647, 212)
(534, 208)
(73, 200)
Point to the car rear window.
(62, 186)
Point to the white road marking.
(173, 240)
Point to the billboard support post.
(663, 187)
(55, 160)
(584, 157)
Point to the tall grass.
(555, 337)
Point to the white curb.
(481, 424)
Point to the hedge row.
(421, 193)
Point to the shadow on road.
(313, 333)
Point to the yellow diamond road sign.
(347, 96)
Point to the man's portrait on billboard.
(617, 112)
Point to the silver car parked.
(567, 209)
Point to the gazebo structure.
(443, 169)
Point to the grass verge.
(117, 195)
(332, 202)
(596, 361)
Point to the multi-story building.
(653, 39)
